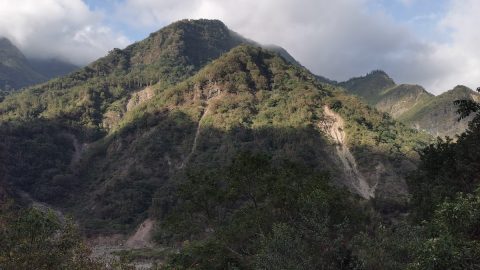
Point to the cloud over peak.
(337, 39)
(65, 29)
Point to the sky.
(433, 43)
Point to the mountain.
(438, 116)
(16, 71)
(412, 104)
(370, 86)
(51, 68)
(178, 79)
(402, 98)
(209, 136)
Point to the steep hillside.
(412, 104)
(402, 98)
(52, 68)
(16, 71)
(369, 86)
(204, 138)
(439, 115)
(249, 99)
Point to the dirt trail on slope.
(195, 139)
(335, 128)
(79, 148)
(206, 111)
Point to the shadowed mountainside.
(248, 99)
(16, 71)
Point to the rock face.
(140, 97)
(412, 104)
(142, 238)
(355, 179)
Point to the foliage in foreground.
(34, 239)
(257, 213)
(31, 238)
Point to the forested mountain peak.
(369, 85)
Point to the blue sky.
(427, 42)
(421, 16)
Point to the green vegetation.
(443, 233)
(247, 213)
(230, 156)
(17, 72)
(412, 104)
(31, 239)
(447, 168)
(369, 86)
(438, 116)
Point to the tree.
(32, 239)
(454, 239)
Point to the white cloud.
(461, 53)
(65, 29)
(340, 39)
(337, 39)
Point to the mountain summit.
(370, 85)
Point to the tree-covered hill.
(257, 92)
(231, 148)
(370, 86)
(16, 71)
(438, 116)
(412, 104)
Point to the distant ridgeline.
(16, 71)
(412, 104)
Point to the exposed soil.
(335, 128)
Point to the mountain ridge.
(412, 104)
(16, 71)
